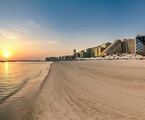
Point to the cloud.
(33, 24)
(19, 28)
(12, 37)
(51, 42)
(41, 43)
(7, 34)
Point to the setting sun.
(6, 54)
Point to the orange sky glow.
(22, 45)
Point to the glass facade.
(139, 46)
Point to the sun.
(6, 54)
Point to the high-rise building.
(96, 51)
(74, 53)
(114, 48)
(128, 46)
(140, 44)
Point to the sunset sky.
(34, 29)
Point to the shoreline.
(22, 98)
(89, 90)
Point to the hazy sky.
(34, 29)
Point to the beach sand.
(86, 90)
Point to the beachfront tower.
(140, 44)
(74, 53)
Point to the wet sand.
(100, 90)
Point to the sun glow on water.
(6, 68)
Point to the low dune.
(87, 90)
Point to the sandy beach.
(86, 90)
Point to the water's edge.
(27, 87)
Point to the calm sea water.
(15, 75)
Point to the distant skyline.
(35, 29)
